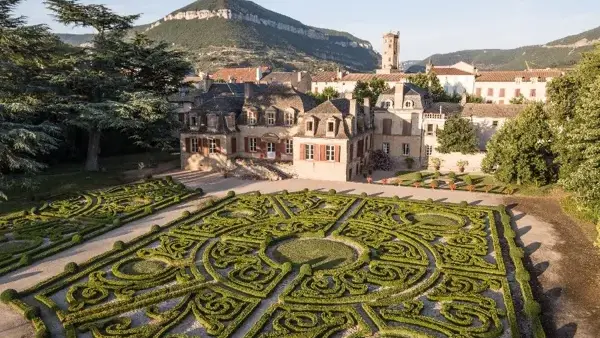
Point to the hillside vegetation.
(564, 52)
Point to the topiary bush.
(185, 214)
(230, 193)
(71, 267)
(148, 210)
(468, 180)
(332, 192)
(437, 174)
(364, 194)
(452, 175)
(418, 176)
(32, 312)
(25, 259)
(155, 228)
(8, 295)
(116, 222)
(119, 245)
(77, 238)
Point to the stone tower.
(391, 54)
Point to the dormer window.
(289, 118)
(409, 104)
(252, 118)
(310, 125)
(386, 104)
(212, 121)
(518, 80)
(271, 118)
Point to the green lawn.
(318, 253)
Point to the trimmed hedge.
(214, 265)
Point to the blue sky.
(426, 27)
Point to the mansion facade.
(331, 141)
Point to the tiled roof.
(407, 88)
(239, 75)
(449, 71)
(510, 76)
(192, 79)
(324, 77)
(446, 108)
(333, 107)
(368, 77)
(279, 77)
(282, 98)
(492, 110)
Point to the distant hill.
(241, 33)
(563, 52)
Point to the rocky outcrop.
(229, 14)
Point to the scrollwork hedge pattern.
(422, 269)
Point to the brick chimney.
(248, 90)
(339, 74)
(353, 105)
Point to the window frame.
(192, 145)
(271, 118)
(288, 119)
(289, 146)
(386, 148)
(212, 146)
(309, 152)
(252, 118)
(405, 149)
(252, 144)
(495, 124)
(330, 153)
(332, 125)
(310, 123)
(428, 150)
(409, 104)
(432, 132)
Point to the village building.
(301, 81)
(501, 87)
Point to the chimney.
(348, 95)
(429, 66)
(353, 104)
(367, 110)
(399, 96)
(339, 75)
(248, 90)
(258, 74)
(299, 77)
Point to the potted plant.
(369, 179)
(452, 185)
(434, 184)
(409, 162)
(471, 188)
(461, 165)
(417, 184)
(436, 162)
(488, 188)
(384, 181)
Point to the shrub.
(230, 193)
(418, 176)
(464, 204)
(332, 192)
(364, 194)
(71, 267)
(116, 222)
(369, 179)
(119, 245)
(285, 192)
(169, 178)
(25, 259)
(452, 175)
(42, 334)
(176, 199)
(32, 312)
(381, 160)
(200, 191)
(148, 177)
(429, 200)
(468, 180)
(77, 238)
(8, 295)
(185, 214)
(155, 228)
(436, 175)
(148, 210)
(259, 194)
(33, 210)
(210, 203)
(434, 184)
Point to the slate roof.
(279, 77)
(492, 110)
(369, 76)
(447, 108)
(281, 97)
(526, 75)
(408, 88)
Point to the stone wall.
(449, 161)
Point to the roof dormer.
(310, 125)
(331, 126)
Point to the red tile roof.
(510, 76)
(449, 71)
(239, 75)
(368, 76)
(324, 77)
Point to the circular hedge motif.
(318, 264)
(320, 254)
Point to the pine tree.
(458, 135)
(521, 151)
(26, 56)
(117, 83)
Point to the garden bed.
(254, 265)
(30, 235)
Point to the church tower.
(391, 54)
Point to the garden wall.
(449, 161)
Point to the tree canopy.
(521, 151)
(371, 89)
(116, 83)
(430, 82)
(27, 55)
(458, 135)
(329, 93)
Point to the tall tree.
(521, 151)
(371, 89)
(116, 83)
(329, 93)
(458, 135)
(26, 56)
(430, 82)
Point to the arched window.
(409, 104)
(386, 104)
